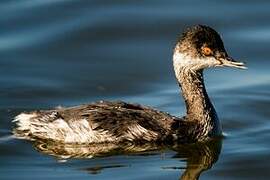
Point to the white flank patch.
(76, 131)
(73, 131)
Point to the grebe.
(199, 47)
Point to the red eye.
(207, 51)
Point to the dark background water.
(71, 52)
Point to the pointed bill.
(229, 62)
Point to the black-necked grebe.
(199, 47)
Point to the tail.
(23, 123)
(36, 125)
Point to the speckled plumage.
(98, 123)
(118, 122)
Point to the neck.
(198, 105)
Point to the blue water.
(58, 52)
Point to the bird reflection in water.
(199, 157)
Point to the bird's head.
(201, 47)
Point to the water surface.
(71, 52)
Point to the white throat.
(184, 62)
